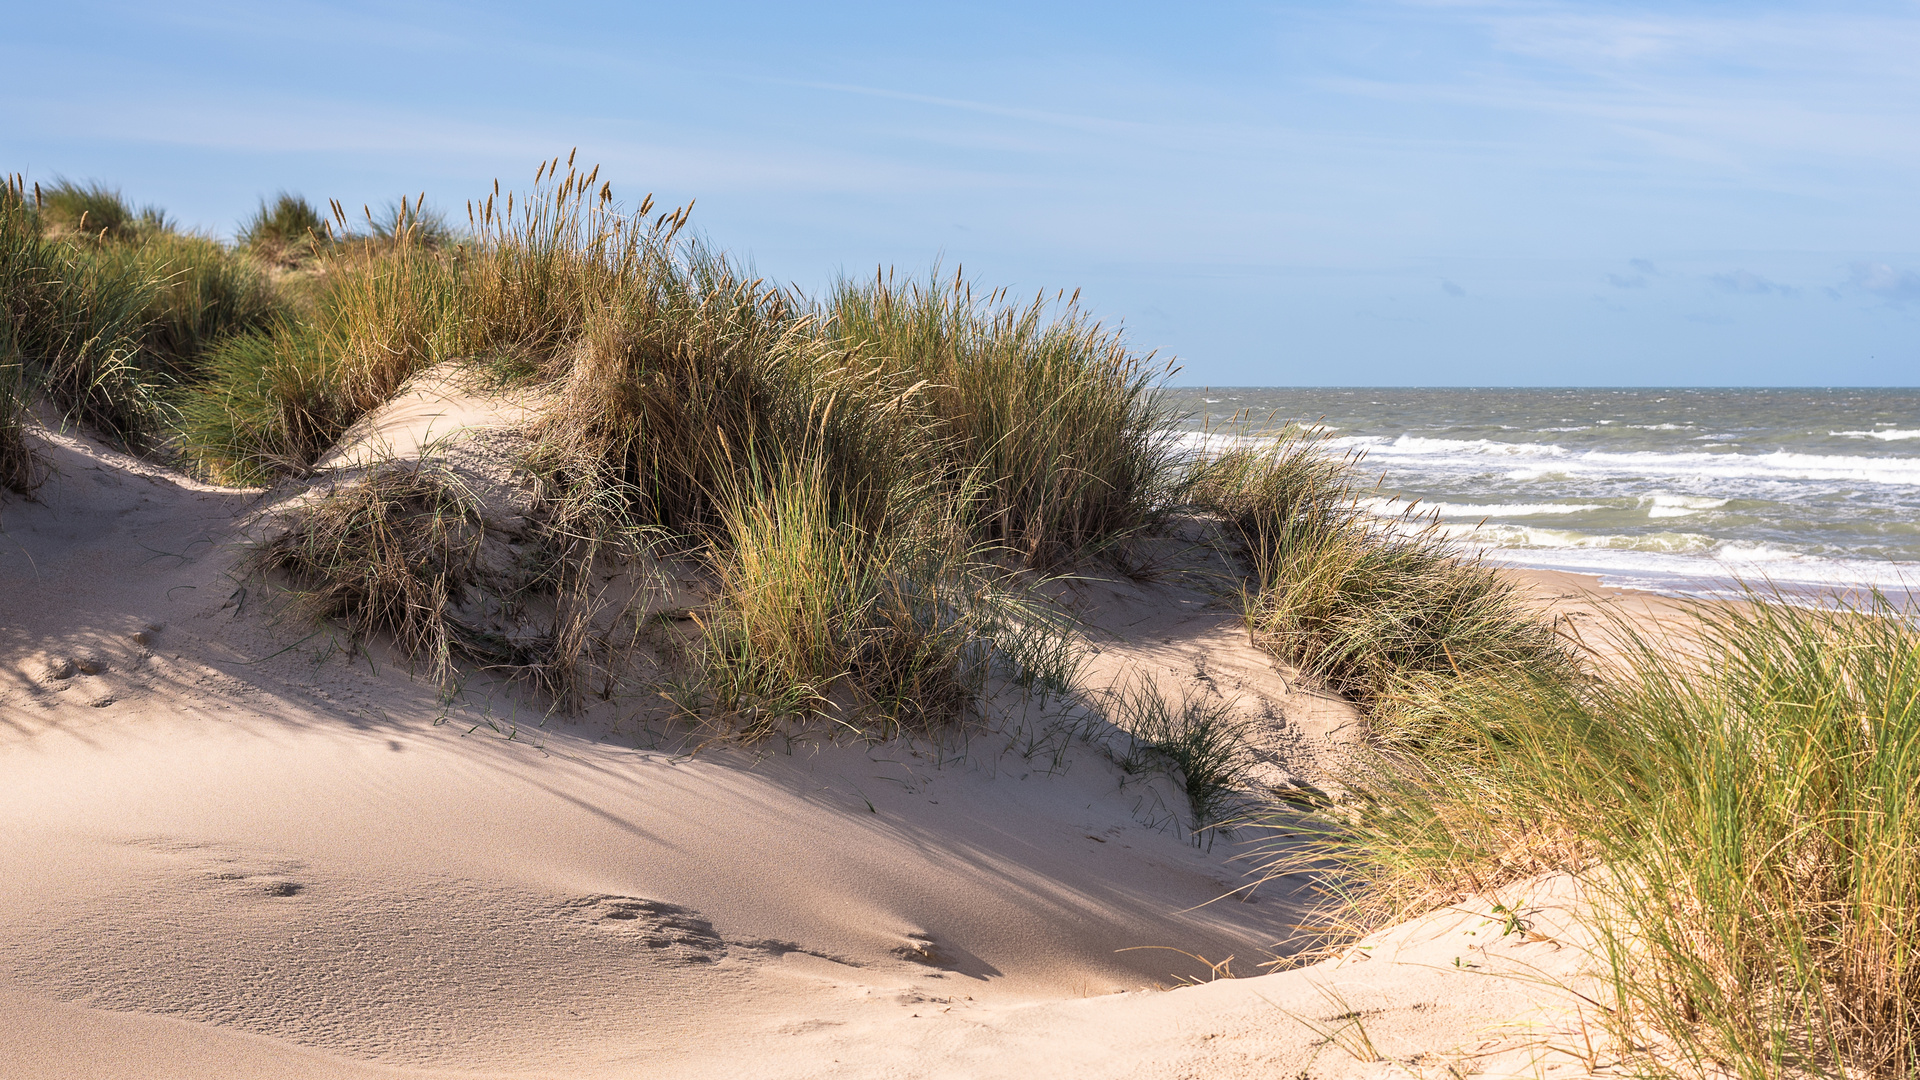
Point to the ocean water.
(1679, 491)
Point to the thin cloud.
(1727, 90)
(1747, 283)
(1894, 285)
(1040, 116)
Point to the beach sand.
(233, 848)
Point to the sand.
(234, 848)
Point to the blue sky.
(1431, 193)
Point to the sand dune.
(235, 848)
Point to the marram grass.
(110, 324)
(1745, 807)
(1378, 608)
(1055, 412)
(862, 533)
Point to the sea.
(1678, 491)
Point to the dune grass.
(1197, 742)
(79, 321)
(1740, 793)
(282, 387)
(408, 550)
(863, 531)
(1055, 412)
(1380, 608)
(20, 467)
(820, 616)
(388, 311)
(393, 552)
(93, 211)
(285, 231)
(19, 235)
(111, 322)
(1743, 807)
(269, 404)
(202, 294)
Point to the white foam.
(1672, 506)
(1500, 510)
(1527, 461)
(1703, 574)
(1885, 434)
(1207, 443)
(1528, 536)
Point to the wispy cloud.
(1897, 286)
(1749, 283)
(299, 125)
(1731, 90)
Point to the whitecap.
(1528, 461)
(1884, 434)
(1672, 506)
(1507, 510)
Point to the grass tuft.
(270, 404)
(285, 231)
(407, 550)
(1379, 608)
(111, 323)
(1049, 408)
(884, 625)
(19, 255)
(393, 552)
(202, 294)
(386, 313)
(93, 211)
(1742, 805)
(1199, 743)
(21, 470)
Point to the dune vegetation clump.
(285, 232)
(19, 231)
(1385, 609)
(868, 482)
(113, 322)
(411, 550)
(1740, 800)
(20, 469)
(93, 212)
(1038, 399)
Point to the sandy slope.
(230, 848)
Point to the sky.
(1366, 193)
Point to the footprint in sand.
(921, 948)
(239, 873)
(660, 925)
